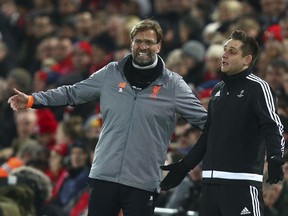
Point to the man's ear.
(158, 47)
(248, 60)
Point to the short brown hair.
(147, 24)
(249, 44)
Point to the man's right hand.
(18, 101)
(177, 172)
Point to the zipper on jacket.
(129, 131)
(224, 99)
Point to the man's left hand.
(275, 171)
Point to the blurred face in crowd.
(67, 31)
(273, 49)
(25, 123)
(80, 59)
(115, 27)
(47, 48)
(229, 10)
(42, 4)
(64, 49)
(173, 62)
(272, 7)
(189, 63)
(78, 157)
(274, 77)
(45, 138)
(84, 22)
(213, 64)
(66, 7)
(185, 135)
(233, 60)
(42, 26)
(98, 54)
(145, 47)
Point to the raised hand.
(18, 101)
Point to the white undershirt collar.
(146, 67)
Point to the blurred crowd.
(48, 43)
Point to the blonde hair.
(234, 9)
(214, 51)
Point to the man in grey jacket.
(139, 99)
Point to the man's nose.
(223, 55)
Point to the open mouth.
(142, 54)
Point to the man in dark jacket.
(242, 123)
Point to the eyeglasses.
(148, 43)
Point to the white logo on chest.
(241, 94)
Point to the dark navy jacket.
(242, 124)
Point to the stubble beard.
(143, 62)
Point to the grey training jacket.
(137, 125)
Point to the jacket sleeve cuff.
(30, 101)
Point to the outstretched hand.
(18, 101)
(177, 172)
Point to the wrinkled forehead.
(147, 33)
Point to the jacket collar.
(159, 81)
(236, 78)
